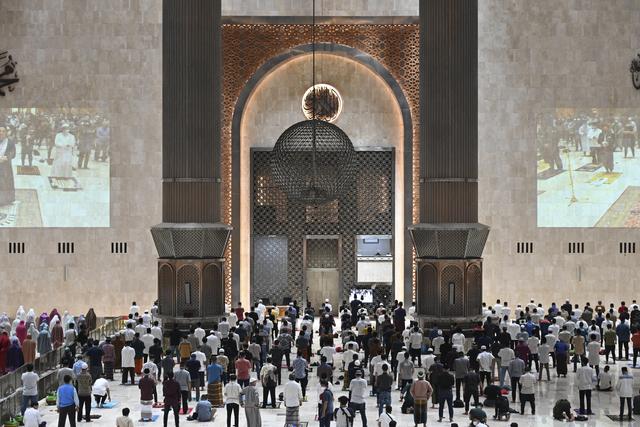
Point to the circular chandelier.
(313, 160)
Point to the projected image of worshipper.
(7, 153)
(588, 174)
(62, 167)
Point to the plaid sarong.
(108, 370)
(293, 415)
(214, 394)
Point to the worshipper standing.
(385, 419)
(471, 389)
(624, 335)
(325, 407)
(83, 386)
(292, 400)
(57, 335)
(421, 392)
(342, 414)
(108, 358)
(516, 370)
(63, 160)
(444, 382)
(584, 381)
(543, 357)
(624, 387)
(128, 363)
(183, 378)
(32, 417)
(29, 388)
(7, 153)
(167, 362)
(561, 357)
(21, 332)
(193, 366)
(384, 383)
(357, 395)
(29, 349)
(67, 402)
(300, 372)
(214, 383)
(243, 370)
(269, 383)
(101, 391)
(605, 380)
(232, 400)
(15, 358)
(171, 392)
(251, 399)
(147, 386)
(527, 391)
(94, 353)
(138, 347)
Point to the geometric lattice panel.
(365, 208)
(269, 269)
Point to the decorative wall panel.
(246, 47)
(269, 269)
(187, 305)
(451, 291)
(347, 218)
(166, 289)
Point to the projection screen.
(54, 167)
(588, 168)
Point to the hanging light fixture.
(313, 160)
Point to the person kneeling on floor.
(203, 412)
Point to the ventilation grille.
(66, 247)
(576, 247)
(627, 247)
(524, 247)
(16, 247)
(119, 247)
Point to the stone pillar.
(190, 241)
(449, 240)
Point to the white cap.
(326, 300)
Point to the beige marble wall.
(535, 55)
(104, 54)
(370, 116)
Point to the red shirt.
(240, 313)
(243, 369)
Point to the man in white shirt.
(386, 418)
(260, 309)
(147, 340)
(32, 417)
(358, 391)
(134, 309)
(224, 327)
(29, 388)
(156, 330)
(415, 345)
(506, 355)
(428, 360)
(232, 399)
(328, 305)
(128, 364)
(437, 342)
(213, 341)
(146, 319)
(292, 400)
(506, 310)
(199, 333)
(328, 352)
(486, 360)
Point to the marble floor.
(547, 393)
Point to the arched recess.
(427, 290)
(403, 290)
(212, 290)
(451, 292)
(473, 289)
(166, 290)
(188, 292)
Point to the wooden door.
(323, 283)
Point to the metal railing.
(46, 366)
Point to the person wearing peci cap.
(251, 398)
(83, 386)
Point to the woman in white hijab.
(21, 314)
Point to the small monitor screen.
(364, 295)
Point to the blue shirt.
(77, 367)
(67, 396)
(300, 367)
(203, 410)
(214, 371)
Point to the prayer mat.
(158, 405)
(617, 418)
(95, 416)
(153, 418)
(64, 184)
(624, 212)
(549, 173)
(28, 170)
(589, 167)
(278, 405)
(189, 410)
(605, 178)
(106, 405)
